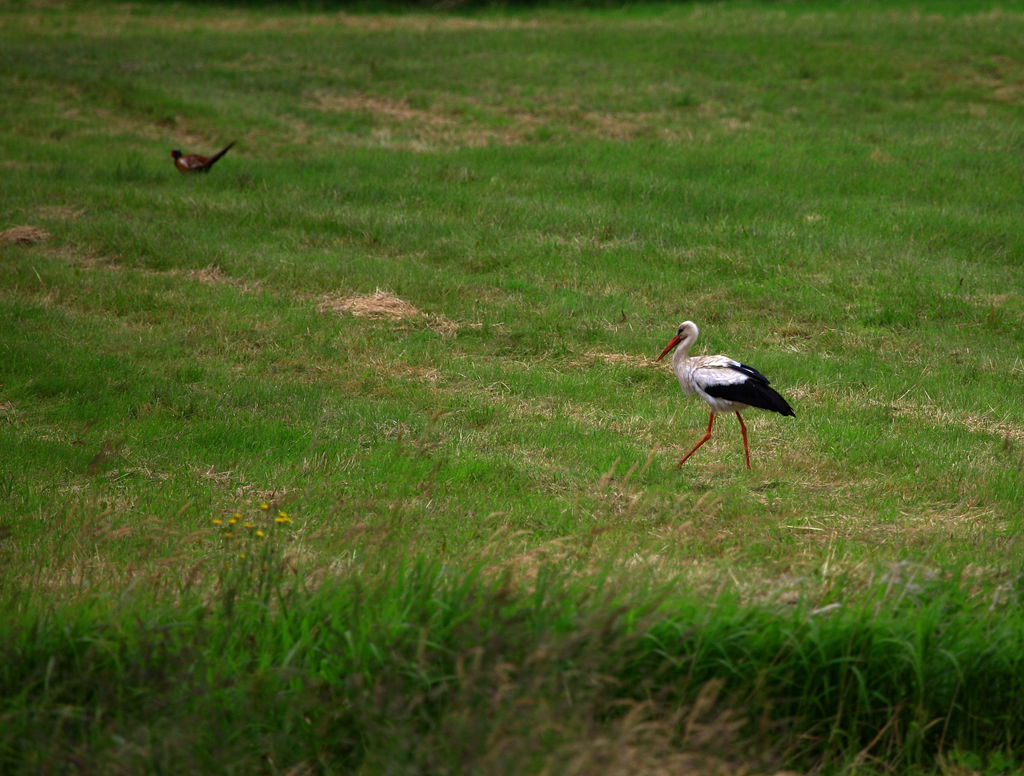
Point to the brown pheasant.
(195, 162)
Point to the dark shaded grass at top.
(424, 669)
(458, 6)
(372, 6)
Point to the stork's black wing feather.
(753, 391)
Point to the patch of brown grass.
(24, 235)
(212, 275)
(627, 359)
(419, 129)
(383, 305)
(972, 421)
(379, 304)
(450, 121)
(418, 374)
(61, 212)
(396, 110)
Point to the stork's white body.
(697, 374)
(726, 385)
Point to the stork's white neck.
(682, 352)
(688, 335)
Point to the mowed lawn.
(411, 317)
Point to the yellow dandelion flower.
(241, 555)
(247, 525)
(260, 533)
(237, 515)
(264, 506)
(232, 521)
(228, 534)
(282, 514)
(217, 521)
(280, 520)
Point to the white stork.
(726, 385)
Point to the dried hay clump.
(24, 235)
(379, 304)
(383, 305)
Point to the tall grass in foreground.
(426, 670)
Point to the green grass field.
(352, 456)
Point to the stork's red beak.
(675, 341)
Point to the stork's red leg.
(743, 428)
(705, 438)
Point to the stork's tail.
(773, 401)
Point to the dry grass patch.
(972, 421)
(404, 126)
(627, 359)
(213, 275)
(396, 110)
(209, 275)
(61, 212)
(451, 123)
(383, 305)
(24, 235)
(379, 304)
(403, 371)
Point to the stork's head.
(686, 335)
